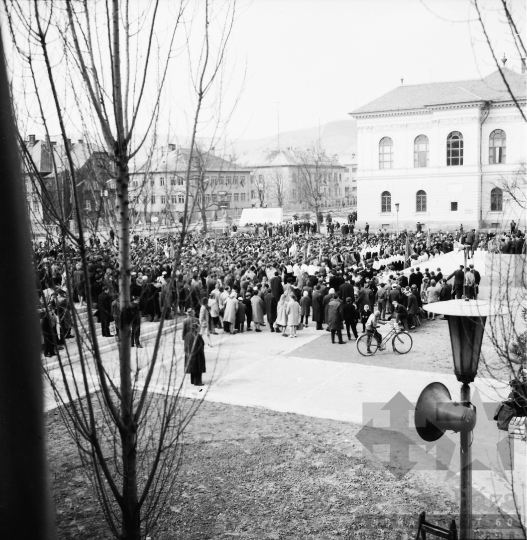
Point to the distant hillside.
(339, 137)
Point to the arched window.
(496, 200)
(497, 144)
(420, 201)
(421, 151)
(454, 149)
(386, 201)
(385, 153)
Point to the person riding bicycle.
(371, 330)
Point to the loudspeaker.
(435, 412)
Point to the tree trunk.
(204, 216)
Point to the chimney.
(80, 141)
(31, 140)
(524, 69)
(172, 147)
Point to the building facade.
(158, 188)
(278, 175)
(443, 154)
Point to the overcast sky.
(317, 60)
(309, 61)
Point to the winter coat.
(350, 313)
(281, 315)
(336, 315)
(326, 301)
(318, 309)
(258, 309)
(413, 307)
(194, 353)
(231, 307)
(270, 307)
(305, 306)
(293, 313)
(240, 314)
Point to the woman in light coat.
(214, 308)
(204, 329)
(229, 316)
(433, 296)
(258, 308)
(293, 315)
(281, 315)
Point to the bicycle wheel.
(402, 342)
(362, 346)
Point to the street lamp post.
(466, 324)
(397, 210)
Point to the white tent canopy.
(261, 215)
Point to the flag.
(171, 251)
(428, 243)
(407, 252)
(320, 255)
(309, 250)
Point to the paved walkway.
(310, 376)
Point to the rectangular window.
(354, 169)
(153, 199)
(235, 180)
(243, 196)
(88, 204)
(453, 206)
(228, 197)
(214, 197)
(207, 199)
(172, 181)
(236, 197)
(163, 199)
(152, 183)
(253, 194)
(221, 181)
(242, 180)
(180, 199)
(134, 183)
(228, 181)
(174, 199)
(161, 181)
(179, 180)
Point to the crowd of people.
(254, 280)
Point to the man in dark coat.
(413, 309)
(346, 289)
(350, 317)
(318, 307)
(135, 318)
(271, 308)
(336, 318)
(459, 280)
(276, 286)
(194, 354)
(248, 310)
(105, 311)
(419, 278)
(477, 280)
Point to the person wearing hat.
(336, 318)
(188, 322)
(105, 311)
(194, 347)
(240, 316)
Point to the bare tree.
(312, 178)
(115, 72)
(278, 183)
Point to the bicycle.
(401, 341)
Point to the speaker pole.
(465, 506)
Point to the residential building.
(277, 177)
(158, 188)
(443, 154)
(48, 183)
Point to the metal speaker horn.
(435, 412)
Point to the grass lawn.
(258, 474)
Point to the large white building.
(443, 154)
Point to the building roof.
(172, 159)
(270, 158)
(423, 96)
